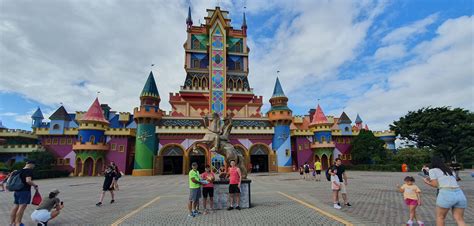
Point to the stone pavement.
(277, 199)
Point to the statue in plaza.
(218, 140)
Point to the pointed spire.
(344, 119)
(94, 113)
(278, 91)
(244, 23)
(189, 20)
(60, 114)
(38, 114)
(319, 117)
(366, 127)
(150, 89)
(1, 125)
(358, 119)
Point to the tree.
(413, 156)
(366, 148)
(44, 159)
(449, 132)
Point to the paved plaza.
(282, 199)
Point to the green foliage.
(43, 159)
(17, 166)
(413, 156)
(449, 132)
(392, 167)
(368, 149)
(43, 174)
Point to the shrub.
(413, 156)
(392, 167)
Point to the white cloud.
(404, 33)
(390, 52)
(441, 75)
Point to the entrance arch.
(259, 158)
(324, 161)
(88, 167)
(172, 159)
(199, 157)
(78, 169)
(99, 167)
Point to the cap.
(55, 191)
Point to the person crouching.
(48, 209)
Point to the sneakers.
(112, 201)
(237, 208)
(337, 206)
(348, 204)
(421, 223)
(191, 215)
(409, 223)
(230, 208)
(99, 204)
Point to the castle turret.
(281, 116)
(244, 26)
(59, 121)
(146, 117)
(321, 129)
(37, 119)
(358, 122)
(91, 146)
(344, 124)
(189, 19)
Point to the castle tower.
(91, 146)
(281, 117)
(344, 124)
(358, 122)
(146, 117)
(189, 20)
(323, 144)
(59, 121)
(244, 26)
(37, 119)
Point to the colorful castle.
(151, 141)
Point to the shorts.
(301, 173)
(234, 188)
(22, 197)
(194, 194)
(41, 215)
(306, 171)
(318, 172)
(208, 192)
(343, 188)
(451, 198)
(411, 202)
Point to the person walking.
(306, 171)
(117, 175)
(301, 172)
(108, 185)
(412, 197)
(450, 196)
(317, 168)
(342, 175)
(49, 209)
(194, 190)
(335, 187)
(235, 178)
(22, 196)
(208, 189)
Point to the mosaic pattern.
(251, 123)
(180, 122)
(217, 72)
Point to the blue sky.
(380, 59)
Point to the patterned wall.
(218, 78)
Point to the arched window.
(196, 63)
(346, 129)
(195, 82)
(56, 126)
(323, 139)
(239, 84)
(231, 84)
(204, 83)
(238, 47)
(196, 44)
(238, 66)
(92, 139)
(102, 139)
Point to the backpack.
(328, 176)
(14, 182)
(306, 167)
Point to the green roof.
(150, 87)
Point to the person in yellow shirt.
(317, 169)
(412, 197)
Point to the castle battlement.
(301, 132)
(21, 148)
(120, 132)
(17, 133)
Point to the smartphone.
(423, 175)
(62, 203)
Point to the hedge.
(385, 167)
(43, 174)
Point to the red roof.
(95, 113)
(319, 116)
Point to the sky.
(379, 59)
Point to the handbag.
(36, 198)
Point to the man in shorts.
(341, 173)
(23, 196)
(235, 178)
(317, 168)
(194, 190)
(208, 189)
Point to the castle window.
(92, 139)
(60, 161)
(346, 129)
(55, 140)
(102, 139)
(349, 157)
(196, 44)
(299, 148)
(196, 63)
(239, 84)
(204, 83)
(67, 161)
(323, 139)
(80, 139)
(237, 66)
(238, 47)
(62, 141)
(56, 126)
(121, 148)
(114, 147)
(47, 141)
(69, 140)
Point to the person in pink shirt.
(208, 189)
(235, 177)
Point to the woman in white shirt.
(450, 195)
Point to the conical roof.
(60, 114)
(278, 91)
(38, 114)
(189, 20)
(244, 23)
(150, 87)
(366, 127)
(358, 119)
(319, 117)
(344, 119)
(94, 113)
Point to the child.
(335, 186)
(301, 172)
(412, 197)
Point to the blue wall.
(318, 136)
(342, 127)
(87, 133)
(282, 142)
